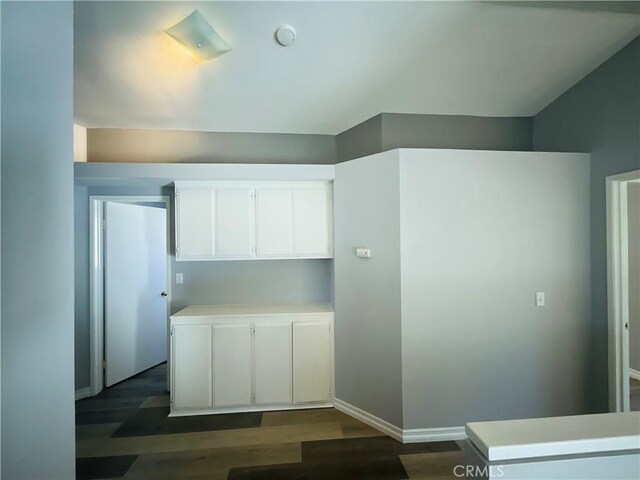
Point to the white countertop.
(252, 310)
(543, 437)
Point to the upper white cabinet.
(194, 215)
(234, 216)
(274, 216)
(253, 220)
(311, 234)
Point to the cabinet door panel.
(311, 362)
(274, 218)
(273, 363)
(195, 224)
(233, 362)
(234, 222)
(310, 220)
(192, 385)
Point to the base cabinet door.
(273, 364)
(192, 386)
(233, 363)
(312, 363)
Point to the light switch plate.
(179, 278)
(539, 299)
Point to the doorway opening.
(130, 295)
(623, 285)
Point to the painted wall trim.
(634, 374)
(405, 436)
(96, 279)
(371, 420)
(83, 393)
(417, 435)
(618, 289)
(97, 174)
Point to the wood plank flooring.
(124, 433)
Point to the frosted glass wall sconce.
(198, 38)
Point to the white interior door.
(135, 266)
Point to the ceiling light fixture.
(198, 38)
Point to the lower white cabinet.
(311, 362)
(238, 358)
(192, 366)
(273, 363)
(233, 367)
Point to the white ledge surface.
(205, 311)
(544, 437)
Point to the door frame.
(96, 278)
(618, 288)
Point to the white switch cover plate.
(363, 252)
(539, 299)
(179, 279)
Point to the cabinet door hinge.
(104, 364)
(104, 223)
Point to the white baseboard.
(371, 420)
(404, 436)
(83, 393)
(433, 434)
(634, 374)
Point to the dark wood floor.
(124, 433)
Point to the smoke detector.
(286, 35)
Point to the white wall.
(367, 291)
(633, 200)
(440, 326)
(481, 233)
(38, 435)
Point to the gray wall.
(255, 281)
(393, 130)
(361, 140)
(633, 200)
(601, 115)
(481, 233)
(367, 291)
(383, 132)
(38, 434)
(173, 146)
(456, 131)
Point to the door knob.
(164, 293)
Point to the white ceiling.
(351, 60)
